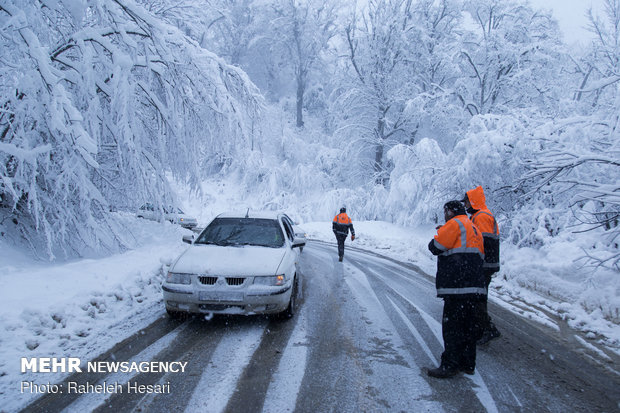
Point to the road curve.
(365, 331)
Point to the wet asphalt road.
(363, 335)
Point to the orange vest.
(460, 255)
(459, 235)
(342, 218)
(485, 221)
(342, 225)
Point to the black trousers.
(461, 328)
(340, 238)
(487, 324)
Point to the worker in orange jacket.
(341, 226)
(475, 204)
(460, 282)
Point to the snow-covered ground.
(82, 307)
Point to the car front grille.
(207, 280)
(219, 307)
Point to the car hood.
(235, 261)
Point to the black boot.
(488, 335)
(442, 372)
(340, 258)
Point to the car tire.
(292, 304)
(176, 315)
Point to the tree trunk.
(300, 102)
(379, 163)
(378, 167)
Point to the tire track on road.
(90, 401)
(227, 363)
(416, 333)
(386, 352)
(260, 374)
(196, 347)
(124, 350)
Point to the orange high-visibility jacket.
(342, 225)
(460, 249)
(485, 221)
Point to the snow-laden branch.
(600, 84)
(98, 116)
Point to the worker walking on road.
(341, 226)
(460, 282)
(475, 204)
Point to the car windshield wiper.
(243, 244)
(225, 244)
(219, 244)
(261, 245)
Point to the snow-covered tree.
(372, 97)
(227, 27)
(280, 44)
(101, 100)
(303, 29)
(434, 42)
(508, 59)
(580, 154)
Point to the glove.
(352, 237)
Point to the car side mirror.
(298, 242)
(165, 261)
(188, 239)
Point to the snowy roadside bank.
(535, 283)
(79, 308)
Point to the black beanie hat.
(455, 206)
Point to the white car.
(172, 214)
(239, 264)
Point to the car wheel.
(175, 314)
(292, 304)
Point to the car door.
(149, 212)
(171, 214)
(291, 253)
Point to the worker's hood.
(476, 198)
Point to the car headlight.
(178, 278)
(272, 280)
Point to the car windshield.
(242, 231)
(173, 210)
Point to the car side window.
(288, 228)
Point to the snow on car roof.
(250, 214)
